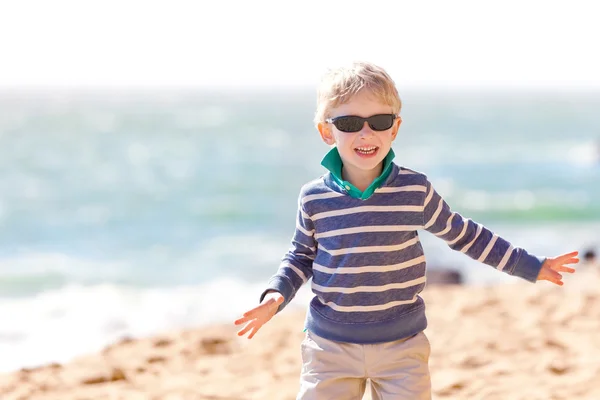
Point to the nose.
(366, 130)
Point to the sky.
(274, 43)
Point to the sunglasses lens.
(352, 123)
(349, 124)
(381, 122)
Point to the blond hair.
(340, 84)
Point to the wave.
(58, 324)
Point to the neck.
(361, 179)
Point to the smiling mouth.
(367, 150)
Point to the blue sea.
(131, 212)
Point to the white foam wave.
(57, 325)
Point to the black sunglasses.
(353, 123)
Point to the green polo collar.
(333, 162)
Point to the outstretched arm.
(479, 243)
(295, 269)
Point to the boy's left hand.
(553, 266)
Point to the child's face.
(362, 151)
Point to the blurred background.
(151, 153)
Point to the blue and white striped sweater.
(366, 261)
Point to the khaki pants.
(339, 371)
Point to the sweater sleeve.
(296, 265)
(475, 240)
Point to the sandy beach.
(513, 341)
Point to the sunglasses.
(353, 123)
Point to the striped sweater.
(365, 259)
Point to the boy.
(356, 236)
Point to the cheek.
(389, 137)
(337, 138)
(345, 142)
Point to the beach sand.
(513, 341)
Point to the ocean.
(131, 212)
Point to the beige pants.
(339, 371)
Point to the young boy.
(356, 236)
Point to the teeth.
(366, 149)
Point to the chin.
(368, 166)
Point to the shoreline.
(508, 341)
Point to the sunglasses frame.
(333, 120)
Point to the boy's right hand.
(260, 315)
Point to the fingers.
(559, 264)
(259, 315)
(248, 316)
(551, 276)
(254, 330)
(245, 329)
(252, 327)
(556, 279)
(574, 260)
(562, 268)
(251, 321)
(568, 258)
(254, 311)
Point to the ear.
(326, 133)
(396, 127)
